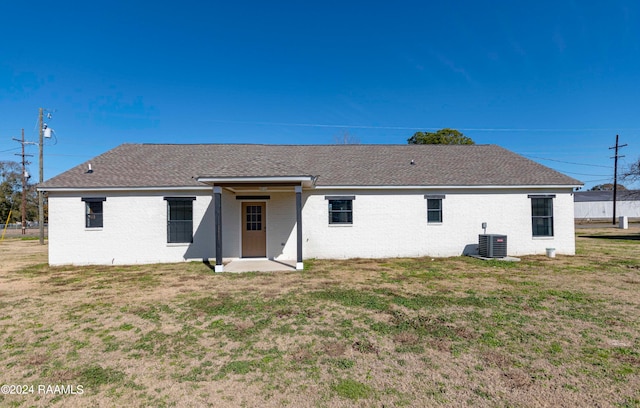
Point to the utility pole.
(615, 176)
(25, 177)
(44, 131)
(40, 162)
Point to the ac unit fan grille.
(492, 246)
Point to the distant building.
(598, 205)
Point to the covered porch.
(258, 219)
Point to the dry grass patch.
(392, 332)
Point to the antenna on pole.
(615, 177)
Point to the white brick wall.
(134, 230)
(394, 224)
(386, 223)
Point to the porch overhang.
(256, 181)
(296, 183)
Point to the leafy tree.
(11, 194)
(607, 187)
(9, 183)
(442, 136)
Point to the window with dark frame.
(542, 216)
(434, 208)
(340, 211)
(179, 220)
(93, 211)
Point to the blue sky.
(552, 80)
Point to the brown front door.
(254, 230)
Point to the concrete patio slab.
(259, 265)
(505, 259)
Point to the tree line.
(11, 194)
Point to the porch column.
(298, 189)
(217, 197)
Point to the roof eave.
(121, 188)
(305, 181)
(449, 187)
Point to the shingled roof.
(179, 165)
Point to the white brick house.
(144, 203)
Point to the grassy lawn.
(395, 332)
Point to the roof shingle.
(179, 165)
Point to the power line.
(597, 180)
(324, 125)
(584, 174)
(566, 162)
(71, 155)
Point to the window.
(542, 215)
(434, 208)
(179, 219)
(254, 218)
(93, 211)
(340, 209)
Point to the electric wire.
(584, 174)
(598, 180)
(322, 125)
(567, 162)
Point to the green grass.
(95, 376)
(353, 298)
(351, 389)
(29, 238)
(394, 332)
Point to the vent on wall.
(492, 245)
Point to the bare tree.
(632, 175)
(346, 138)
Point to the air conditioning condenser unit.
(492, 246)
